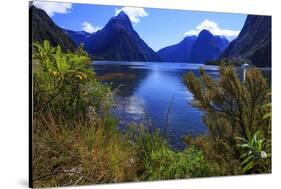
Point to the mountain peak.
(122, 14)
(205, 32)
(119, 41)
(207, 47)
(205, 35)
(121, 19)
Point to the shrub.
(158, 161)
(65, 82)
(231, 109)
(167, 164)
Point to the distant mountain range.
(77, 37)
(118, 41)
(195, 49)
(253, 42)
(43, 28)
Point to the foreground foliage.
(233, 109)
(75, 138)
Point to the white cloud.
(88, 27)
(53, 8)
(134, 13)
(214, 29)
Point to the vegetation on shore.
(76, 139)
(229, 62)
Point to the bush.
(167, 164)
(65, 83)
(231, 109)
(158, 161)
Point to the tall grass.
(80, 154)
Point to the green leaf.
(267, 116)
(268, 105)
(249, 166)
(46, 45)
(247, 160)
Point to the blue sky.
(157, 27)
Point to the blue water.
(147, 90)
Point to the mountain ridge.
(253, 43)
(44, 28)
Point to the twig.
(54, 96)
(168, 112)
(66, 172)
(52, 174)
(81, 177)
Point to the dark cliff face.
(207, 47)
(119, 41)
(179, 52)
(253, 42)
(43, 28)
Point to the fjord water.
(154, 94)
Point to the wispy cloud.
(134, 13)
(214, 28)
(53, 8)
(88, 27)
